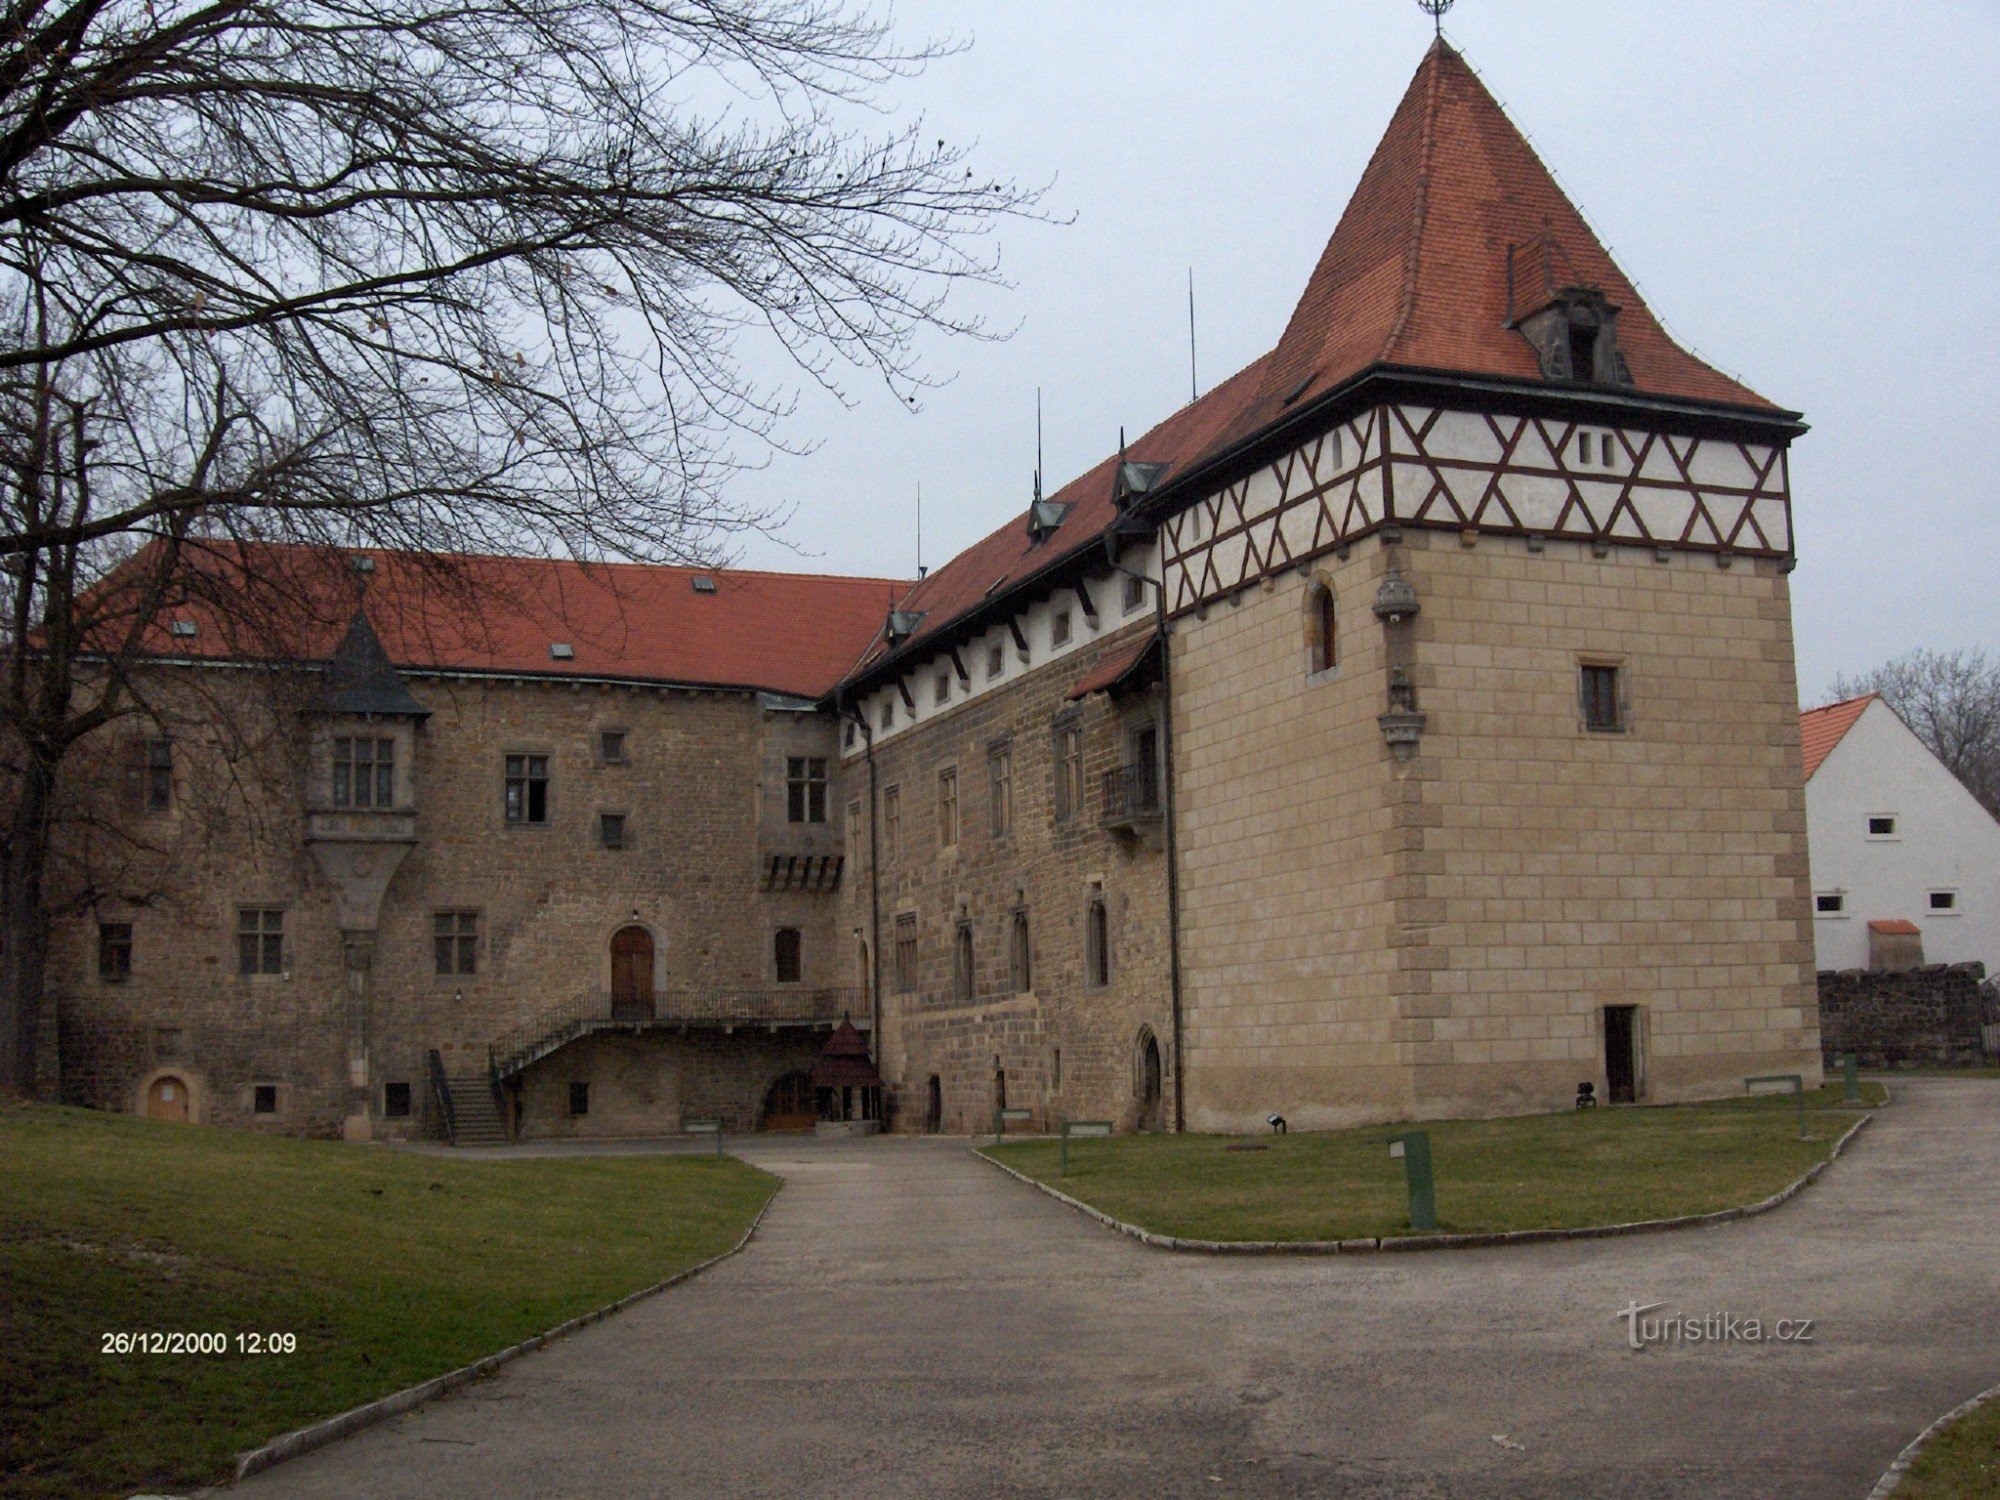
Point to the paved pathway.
(910, 1322)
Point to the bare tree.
(1951, 699)
(444, 276)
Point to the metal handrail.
(441, 1089)
(514, 1048)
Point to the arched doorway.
(934, 1107)
(789, 1104)
(632, 974)
(167, 1099)
(1149, 1081)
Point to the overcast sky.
(1808, 194)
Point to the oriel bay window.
(805, 789)
(364, 771)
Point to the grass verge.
(1960, 1463)
(388, 1268)
(1557, 1171)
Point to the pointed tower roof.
(1453, 220)
(362, 680)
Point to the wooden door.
(789, 1104)
(632, 974)
(1149, 1084)
(167, 1099)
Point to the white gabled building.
(1895, 838)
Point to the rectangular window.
(1830, 904)
(114, 951)
(785, 954)
(941, 689)
(1059, 629)
(579, 1100)
(260, 940)
(996, 661)
(528, 789)
(611, 830)
(1069, 771)
(851, 834)
(1583, 445)
(805, 789)
(853, 735)
(892, 822)
(1135, 593)
(364, 772)
(906, 953)
(1600, 698)
(888, 713)
(1096, 944)
(948, 807)
(1881, 826)
(156, 775)
(1944, 901)
(1000, 773)
(961, 962)
(611, 746)
(396, 1101)
(264, 1099)
(455, 941)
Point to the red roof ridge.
(1414, 256)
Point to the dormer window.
(1575, 338)
(1044, 516)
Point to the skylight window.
(562, 651)
(183, 629)
(703, 584)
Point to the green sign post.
(1796, 1080)
(1850, 1078)
(706, 1127)
(1080, 1127)
(1414, 1147)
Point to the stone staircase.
(478, 1121)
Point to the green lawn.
(1960, 1463)
(389, 1268)
(1558, 1171)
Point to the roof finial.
(1435, 9)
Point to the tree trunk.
(24, 960)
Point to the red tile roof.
(1112, 670)
(1415, 276)
(783, 632)
(1820, 729)
(1894, 927)
(1417, 272)
(1008, 556)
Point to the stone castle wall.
(1048, 868)
(1366, 938)
(1931, 1014)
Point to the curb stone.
(1394, 1244)
(1893, 1476)
(319, 1434)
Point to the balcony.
(1130, 798)
(820, 1008)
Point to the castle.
(1405, 728)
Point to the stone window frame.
(466, 937)
(950, 813)
(114, 952)
(778, 955)
(355, 780)
(941, 688)
(996, 661)
(851, 833)
(906, 954)
(1061, 629)
(964, 963)
(527, 778)
(1320, 622)
(1000, 808)
(1070, 792)
(1097, 969)
(408, 1099)
(578, 1101)
(277, 1109)
(150, 763)
(892, 822)
(802, 782)
(623, 822)
(1133, 595)
(282, 932)
(1020, 953)
(1621, 682)
(601, 738)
